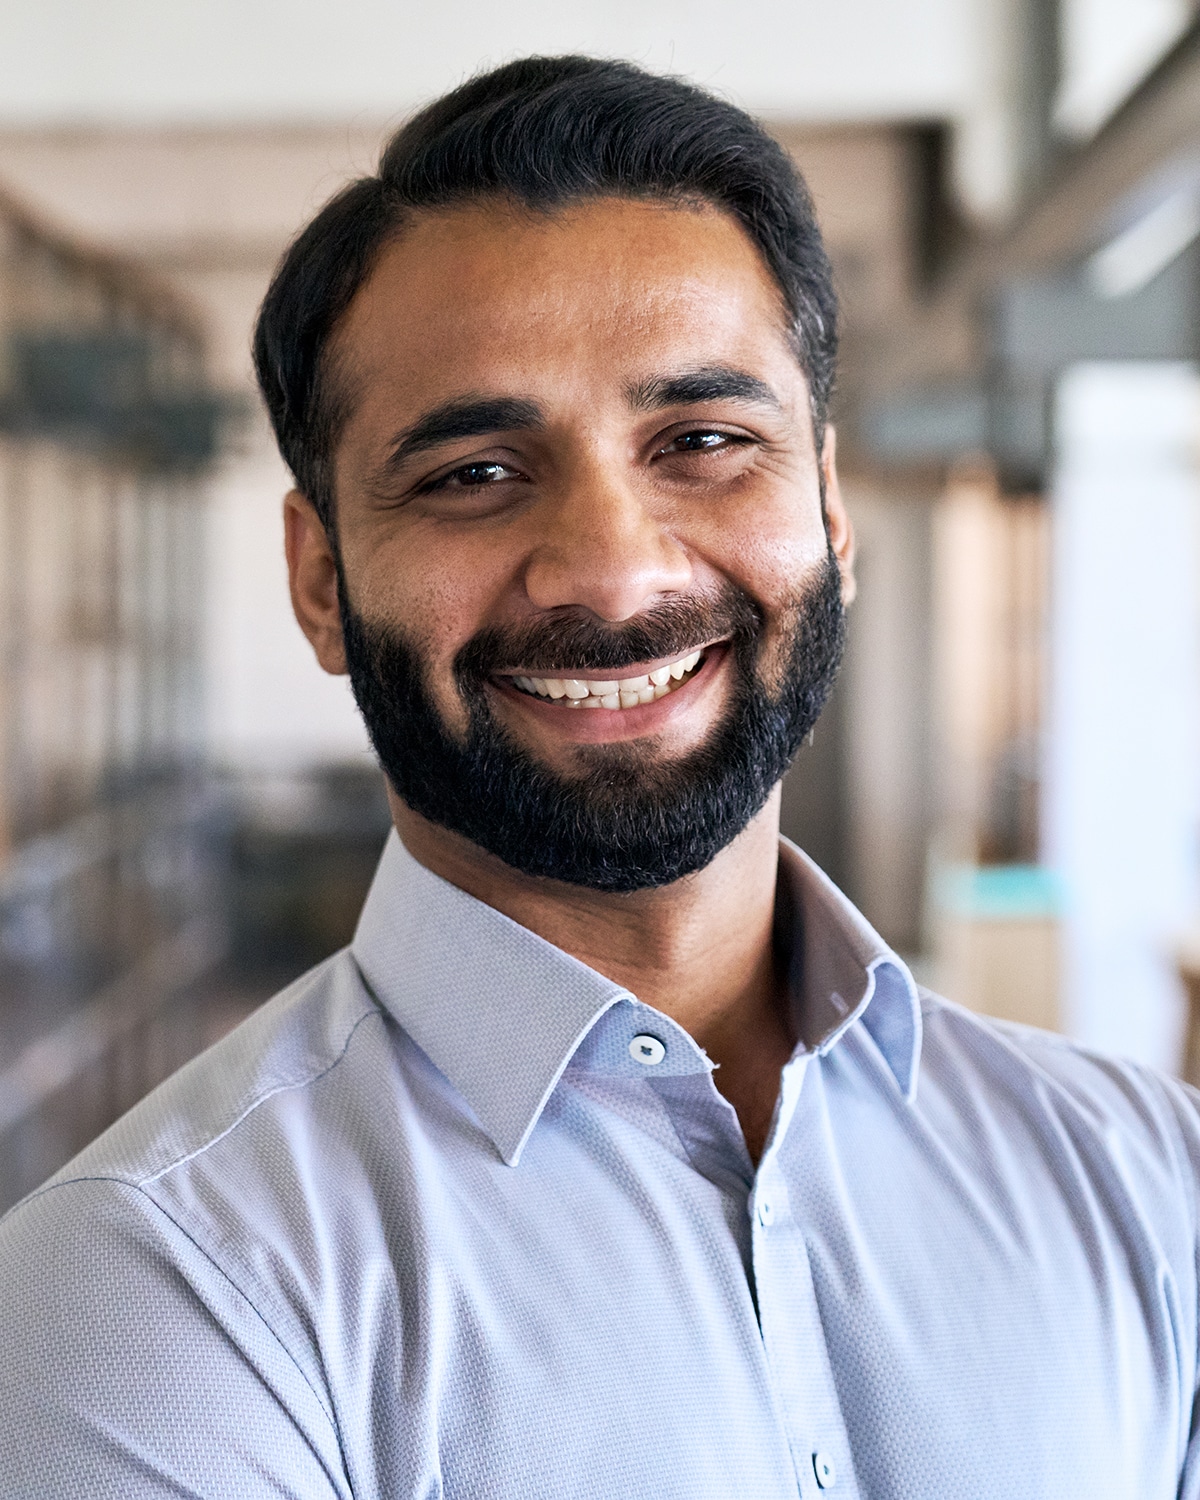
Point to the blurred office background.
(1008, 779)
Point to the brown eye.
(476, 476)
(705, 440)
(696, 442)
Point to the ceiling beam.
(1073, 213)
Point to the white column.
(1121, 811)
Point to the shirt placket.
(792, 1332)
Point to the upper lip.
(583, 674)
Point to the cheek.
(775, 554)
(775, 657)
(770, 547)
(436, 597)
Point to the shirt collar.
(501, 1012)
(847, 973)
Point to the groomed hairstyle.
(542, 132)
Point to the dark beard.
(627, 821)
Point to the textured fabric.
(425, 1227)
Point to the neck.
(700, 950)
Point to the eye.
(702, 440)
(474, 476)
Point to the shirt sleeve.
(131, 1368)
(1184, 1103)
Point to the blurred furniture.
(996, 941)
(300, 854)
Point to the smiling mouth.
(612, 692)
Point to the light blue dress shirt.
(455, 1216)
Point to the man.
(618, 1156)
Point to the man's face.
(579, 511)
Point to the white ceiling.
(209, 60)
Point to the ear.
(837, 521)
(312, 578)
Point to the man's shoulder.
(283, 1048)
(1096, 1106)
(145, 1305)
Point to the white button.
(648, 1050)
(824, 1470)
(766, 1212)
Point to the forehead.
(488, 296)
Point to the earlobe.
(838, 525)
(313, 581)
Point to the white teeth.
(611, 693)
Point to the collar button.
(647, 1050)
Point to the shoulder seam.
(257, 1103)
(933, 1003)
(135, 1181)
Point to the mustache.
(574, 638)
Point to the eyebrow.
(477, 416)
(464, 418)
(709, 383)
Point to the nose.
(604, 549)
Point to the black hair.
(542, 132)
